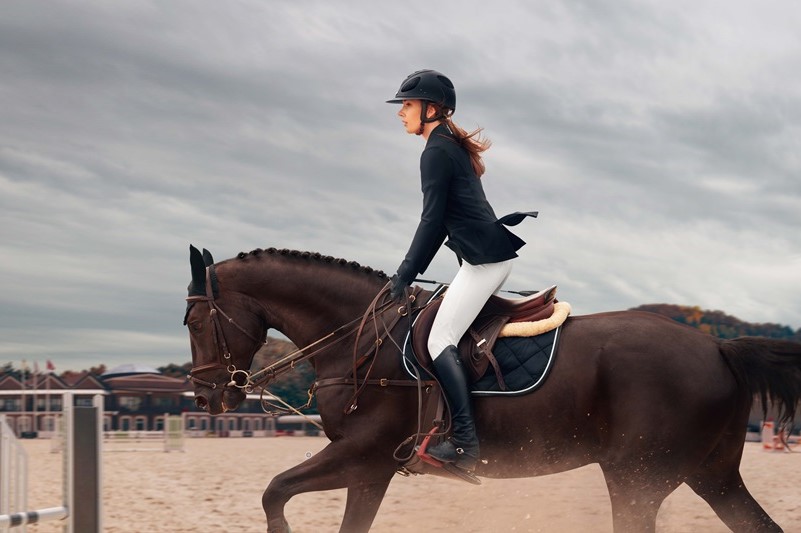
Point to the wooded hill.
(720, 324)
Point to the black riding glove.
(397, 288)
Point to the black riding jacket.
(455, 206)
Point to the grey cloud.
(129, 131)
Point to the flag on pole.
(35, 402)
(50, 365)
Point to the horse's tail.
(770, 368)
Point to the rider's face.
(410, 115)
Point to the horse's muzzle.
(210, 401)
(232, 398)
(216, 401)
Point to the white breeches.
(466, 295)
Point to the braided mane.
(313, 256)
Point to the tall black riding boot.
(462, 448)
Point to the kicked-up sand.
(216, 485)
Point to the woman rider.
(454, 206)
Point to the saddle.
(475, 347)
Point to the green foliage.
(9, 370)
(293, 386)
(176, 371)
(98, 370)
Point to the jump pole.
(84, 464)
(82, 508)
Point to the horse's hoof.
(283, 528)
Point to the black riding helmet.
(428, 86)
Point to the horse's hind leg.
(718, 481)
(636, 495)
(732, 502)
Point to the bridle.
(248, 381)
(224, 360)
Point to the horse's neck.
(305, 300)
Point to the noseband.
(238, 378)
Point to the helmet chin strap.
(425, 120)
(423, 117)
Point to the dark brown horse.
(653, 402)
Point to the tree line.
(719, 324)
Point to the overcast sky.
(659, 141)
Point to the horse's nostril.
(201, 402)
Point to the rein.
(288, 362)
(249, 381)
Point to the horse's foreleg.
(320, 472)
(338, 465)
(282, 527)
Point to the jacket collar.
(440, 131)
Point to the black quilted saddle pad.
(524, 362)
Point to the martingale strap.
(380, 382)
(422, 386)
(404, 310)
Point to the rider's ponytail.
(473, 143)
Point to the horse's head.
(226, 328)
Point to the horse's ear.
(198, 271)
(207, 258)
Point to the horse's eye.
(195, 325)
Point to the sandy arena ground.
(216, 485)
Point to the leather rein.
(248, 381)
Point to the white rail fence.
(169, 439)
